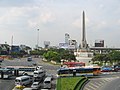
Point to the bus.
(23, 80)
(5, 73)
(22, 68)
(81, 71)
(74, 64)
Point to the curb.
(82, 87)
(82, 84)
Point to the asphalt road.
(6, 84)
(104, 82)
(107, 81)
(9, 84)
(113, 85)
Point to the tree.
(52, 55)
(115, 56)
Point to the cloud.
(32, 16)
(78, 22)
(44, 17)
(11, 15)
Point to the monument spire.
(84, 43)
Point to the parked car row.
(115, 68)
(107, 69)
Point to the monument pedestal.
(84, 56)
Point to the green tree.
(52, 55)
(115, 56)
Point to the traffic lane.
(113, 85)
(45, 65)
(18, 62)
(6, 84)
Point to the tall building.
(67, 38)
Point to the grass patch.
(57, 64)
(67, 83)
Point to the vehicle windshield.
(35, 73)
(47, 81)
(17, 80)
(35, 84)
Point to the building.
(46, 44)
(72, 44)
(67, 38)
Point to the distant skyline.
(21, 19)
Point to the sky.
(21, 19)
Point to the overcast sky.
(54, 18)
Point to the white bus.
(5, 73)
(47, 82)
(23, 80)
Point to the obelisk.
(84, 43)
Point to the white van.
(36, 85)
(23, 80)
(39, 68)
(47, 82)
(39, 74)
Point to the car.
(27, 88)
(44, 89)
(18, 87)
(107, 69)
(1, 59)
(117, 68)
(50, 75)
(34, 63)
(35, 85)
(29, 59)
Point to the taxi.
(18, 87)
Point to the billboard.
(99, 43)
(63, 45)
(15, 49)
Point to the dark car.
(1, 59)
(117, 68)
(29, 59)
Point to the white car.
(35, 85)
(27, 89)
